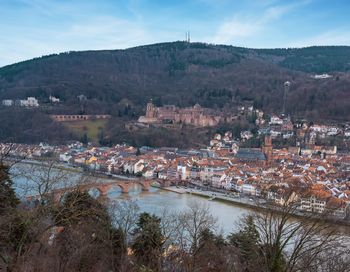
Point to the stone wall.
(72, 117)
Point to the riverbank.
(221, 198)
(43, 163)
(71, 168)
(214, 196)
(175, 190)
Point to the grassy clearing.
(91, 127)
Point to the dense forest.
(315, 59)
(120, 82)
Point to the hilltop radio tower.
(286, 90)
(188, 37)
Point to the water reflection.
(156, 200)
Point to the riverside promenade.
(212, 195)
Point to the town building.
(275, 120)
(263, 156)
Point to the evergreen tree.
(84, 139)
(247, 241)
(148, 244)
(119, 244)
(14, 227)
(8, 197)
(208, 237)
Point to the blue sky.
(32, 28)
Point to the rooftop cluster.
(316, 182)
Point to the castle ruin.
(170, 114)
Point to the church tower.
(311, 142)
(268, 149)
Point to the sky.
(33, 28)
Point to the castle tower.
(268, 149)
(150, 110)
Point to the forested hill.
(315, 59)
(183, 74)
(120, 82)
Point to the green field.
(91, 127)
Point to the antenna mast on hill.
(188, 37)
(286, 90)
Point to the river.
(153, 201)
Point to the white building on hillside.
(54, 99)
(323, 76)
(275, 120)
(7, 102)
(30, 102)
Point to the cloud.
(244, 27)
(94, 33)
(108, 32)
(332, 37)
(235, 29)
(69, 26)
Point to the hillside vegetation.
(120, 82)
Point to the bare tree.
(86, 235)
(192, 222)
(43, 178)
(287, 243)
(170, 225)
(336, 261)
(24, 233)
(8, 159)
(124, 214)
(6, 155)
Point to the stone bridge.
(104, 187)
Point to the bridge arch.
(144, 184)
(92, 192)
(122, 189)
(105, 187)
(157, 183)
